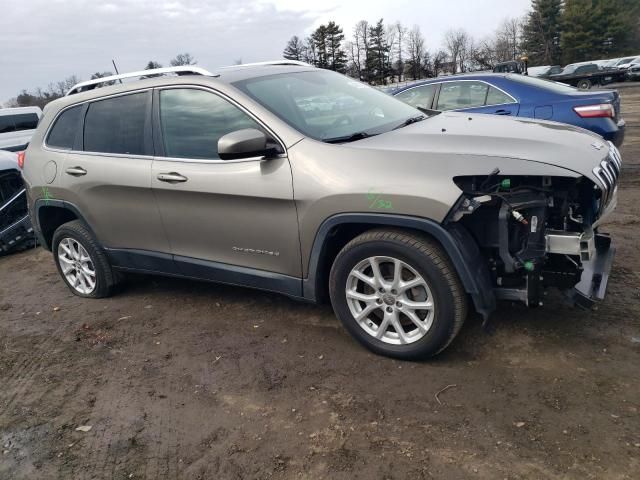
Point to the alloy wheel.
(77, 266)
(390, 300)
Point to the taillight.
(595, 111)
(21, 156)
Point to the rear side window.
(6, 124)
(63, 133)
(117, 125)
(18, 122)
(462, 94)
(418, 96)
(26, 121)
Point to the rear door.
(107, 176)
(220, 214)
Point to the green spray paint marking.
(377, 202)
(46, 195)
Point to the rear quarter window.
(64, 130)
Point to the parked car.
(521, 96)
(624, 61)
(15, 226)
(627, 64)
(633, 73)
(403, 220)
(586, 75)
(512, 66)
(17, 126)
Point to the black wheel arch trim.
(456, 241)
(39, 203)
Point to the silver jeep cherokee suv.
(301, 181)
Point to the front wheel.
(397, 293)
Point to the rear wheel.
(397, 293)
(81, 262)
(584, 84)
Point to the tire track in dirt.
(22, 376)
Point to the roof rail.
(284, 61)
(183, 70)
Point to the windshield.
(328, 106)
(543, 83)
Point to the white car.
(17, 126)
(628, 62)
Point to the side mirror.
(245, 143)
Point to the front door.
(237, 217)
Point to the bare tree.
(415, 52)
(402, 33)
(360, 48)
(182, 59)
(457, 44)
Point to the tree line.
(553, 32)
(39, 97)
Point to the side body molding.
(457, 242)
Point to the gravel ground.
(179, 379)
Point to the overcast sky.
(47, 40)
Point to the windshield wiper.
(350, 138)
(409, 121)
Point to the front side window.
(117, 125)
(459, 95)
(193, 121)
(327, 106)
(63, 133)
(419, 97)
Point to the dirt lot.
(199, 381)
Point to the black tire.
(427, 257)
(105, 277)
(584, 84)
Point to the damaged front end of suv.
(16, 231)
(537, 232)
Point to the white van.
(17, 126)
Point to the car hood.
(474, 135)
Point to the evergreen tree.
(377, 56)
(319, 38)
(336, 56)
(599, 28)
(541, 32)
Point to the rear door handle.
(172, 177)
(76, 171)
(502, 112)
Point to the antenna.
(116, 69)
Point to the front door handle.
(502, 112)
(76, 171)
(172, 177)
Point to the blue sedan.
(520, 96)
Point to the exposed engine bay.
(538, 232)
